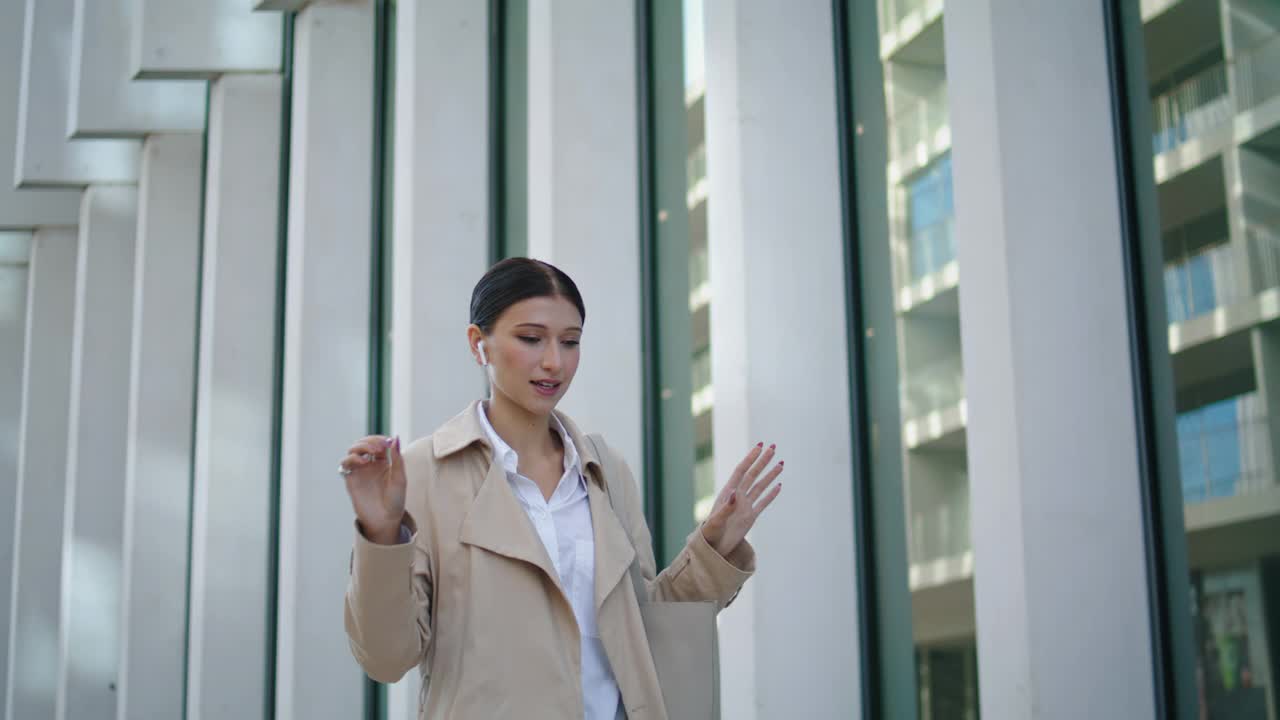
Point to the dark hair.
(516, 279)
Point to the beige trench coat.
(474, 602)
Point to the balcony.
(1191, 109)
(908, 23)
(935, 386)
(938, 544)
(695, 175)
(1213, 279)
(1232, 98)
(1256, 74)
(919, 131)
(932, 248)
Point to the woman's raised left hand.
(742, 499)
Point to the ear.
(475, 339)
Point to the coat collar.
(464, 430)
(497, 523)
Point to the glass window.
(1214, 93)
(909, 284)
(702, 402)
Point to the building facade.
(1001, 279)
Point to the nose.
(551, 358)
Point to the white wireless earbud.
(484, 360)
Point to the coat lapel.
(497, 523)
(614, 551)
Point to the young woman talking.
(489, 554)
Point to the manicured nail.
(389, 440)
(759, 444)
(781, 463)
(773, 447)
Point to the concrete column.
(235, 386)
(15, 250)
(93, 536)
(440, 228)
(778, 352)
(31, 687)
(326, 371)
(45, 158)
(105, 100)
(584, 198)
(203, 38)
(22, 209)
(1060, 580)
(159, 430)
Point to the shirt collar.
(505, 454)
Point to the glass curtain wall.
(1213, 88)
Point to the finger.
(370, 441)
(375, 446)
(721, 514)
(763, 462)
(759, 508)
(355, 461)
(739, 472)
(763, 483)
(393, 451)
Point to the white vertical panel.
(159, 431)
(105, 100)
(583, 198)
(235, 388)
(441, 224)
(326, 371)
(779, 353)
(89, 631)
(44, 155)
(22, 209)
(31, 688)
(1060, 582)
(15, 250)
(203, 38)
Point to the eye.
(529, 339)
(572, 343)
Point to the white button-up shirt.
(563, 523)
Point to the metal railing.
(913, 128)
(1256, 73)
(1204, 102)
(1197, 105)
(1224, 450)
(1222, 274)
(893, 12)
(932, 247)
(941, 529)
(934, 386)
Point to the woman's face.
(533, 352)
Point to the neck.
(527, 433)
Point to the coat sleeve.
(388, 605)
(699, 573)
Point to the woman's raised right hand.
(376, 483)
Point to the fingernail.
(773, 447)
(389, 441)
(759, 444)
(781, 463)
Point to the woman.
(489, 554)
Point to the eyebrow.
(540, 326)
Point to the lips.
(545, 387)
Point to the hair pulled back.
(516, 279)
